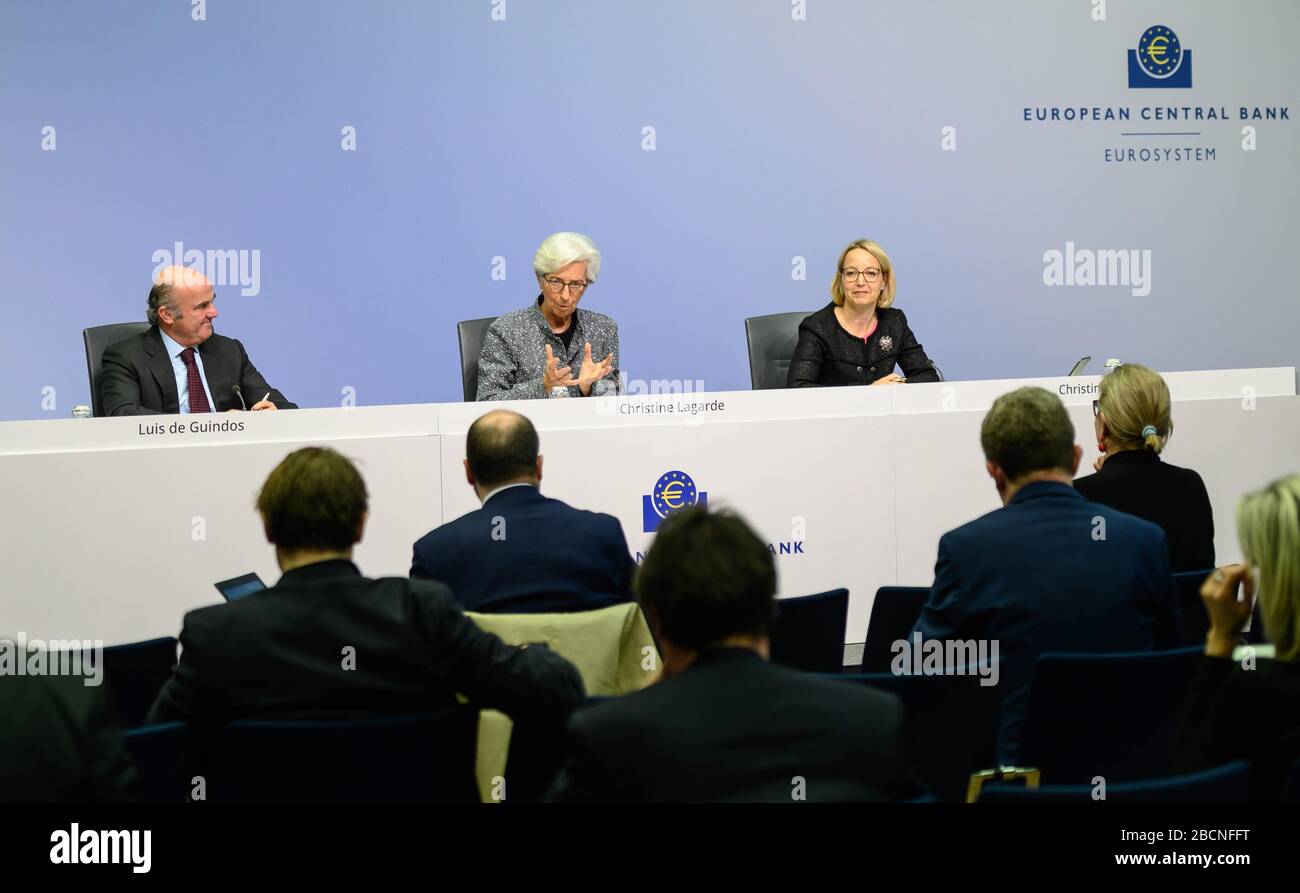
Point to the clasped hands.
(556, 376)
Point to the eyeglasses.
(1096, 408)
(559, 285)
(871, 276)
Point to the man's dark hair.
(160, 296)
(707, 576)
(1028, 430)
(314, 499)
(501, 446)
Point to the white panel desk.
(112, 531)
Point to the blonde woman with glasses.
(1133, 422)
(860, 337)
(1250, 709)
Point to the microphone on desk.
(240, 394)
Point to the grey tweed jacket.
(514, 354)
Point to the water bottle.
(81, 412)
(559, 391)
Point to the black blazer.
(541, 555)
(1173, 498)
(61, 742)
(827, 355)
(1236, 714)
(278, 654)
(736, 727)
(138, 378)
(1032, 577)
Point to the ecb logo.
(1159, 60)
(673, 492)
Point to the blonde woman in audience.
(1132, 421)
(1250, 710)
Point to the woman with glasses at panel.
(859, 337)
(551, 348)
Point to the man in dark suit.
(724, 724)
(1050, 571)
(522, 552)
(60, 739)
(327, 643)
(181, 365)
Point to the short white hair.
(561, 249)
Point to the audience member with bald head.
(522, 552)
(180, 364)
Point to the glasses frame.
(861, 275)
(574, 288)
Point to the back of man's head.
(501, 447)
(707, 577)
(1026, 431)
(313, 500)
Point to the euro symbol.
(1156, 49)
(671, 494)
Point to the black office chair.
(135, 673)
(950, 727)
(470, 333)
(98, 339)
(809, 631)
(893, 614)
(771, 345)
(162, 761)
(1113, 715)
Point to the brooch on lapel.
(886, 342)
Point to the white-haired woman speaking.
(550, 348)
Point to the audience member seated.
(1133, 424)
(723, 723)
(61, 740)
(1251, 711)
(522, 553)
(1049, 571)
(327, 643)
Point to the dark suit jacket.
(827, 355)
(736, 727)
(543, 555)
(1036, 576)
(138, 378)
(1173, 498)
(61, 742)
(1237, 714)
(278, 654)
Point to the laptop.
(1079, 366)
(240, 587)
